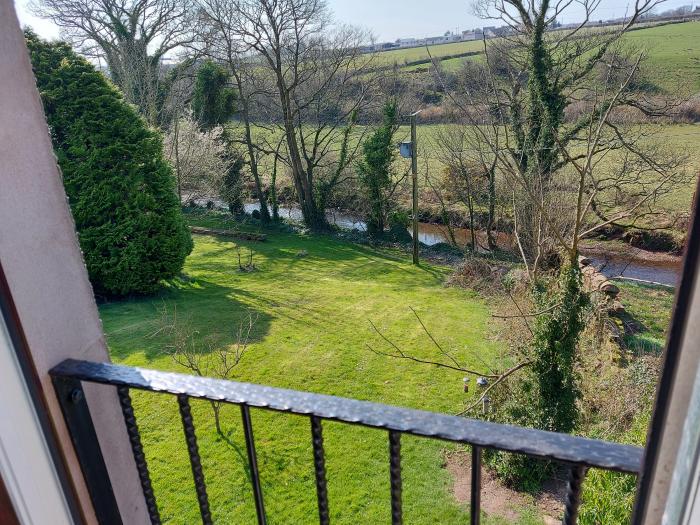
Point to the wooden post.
(414, 171)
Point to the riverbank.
(615, 259)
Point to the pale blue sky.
(392, 19)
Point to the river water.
(640, 266)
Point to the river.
(637, 265)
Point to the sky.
(392, 19)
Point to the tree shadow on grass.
(310, 256)
(209, 311)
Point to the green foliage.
(555, 345)
(608, 497)
(213, 103)
(517, 404)
(546, 395)
(232, 186)
(375, 169)
(120, 188)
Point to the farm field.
(400, 56)
(311, 333)
(673, 54)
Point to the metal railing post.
(76, 413)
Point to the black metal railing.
(576, 452)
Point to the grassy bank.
(624, 397)
(313, 297)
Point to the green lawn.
(311, 334)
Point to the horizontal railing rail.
(580, 453)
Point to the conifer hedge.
(120, 187)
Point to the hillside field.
(673, 52)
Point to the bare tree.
(320, 80)
(132, 36)
(220, 41)
(205, 356)
(545, 111)
(543, 114)
(468, 176)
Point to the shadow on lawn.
(308, 255)
(208, 310)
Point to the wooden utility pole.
(414, 172)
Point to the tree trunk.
(252, 159)
(216, 407)
(177, 158)
(314, 218)
(471, 223)
(491, 239)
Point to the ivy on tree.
(374, 169)
(213, 102)
(121, 189)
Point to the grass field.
(411, 54)
(312, 328)
(673, 54)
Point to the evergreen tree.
(121, 189)
(375, 169)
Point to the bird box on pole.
(406, 149)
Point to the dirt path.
(500, 501)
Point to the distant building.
(435, 40)
(384, 46)
(407, 42)
(470, 35)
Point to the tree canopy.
(121, 189)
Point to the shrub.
(546, 395)
(120, 188)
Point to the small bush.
(479, 274)
(120, 188)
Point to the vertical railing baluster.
(395, 475)
(195, 460)
(320, 469)
(573, 494)
(253, 464)
(132, 430)
(475, 508)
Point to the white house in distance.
(472, 34)
(407, 42)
